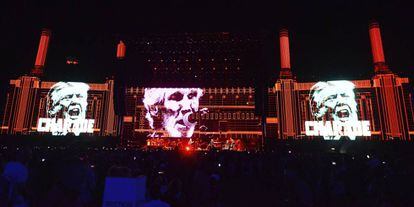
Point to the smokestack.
(284, 49)
(41, 52)
(285, 71)
(376, 47)
(121, 49)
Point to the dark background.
(329, 39)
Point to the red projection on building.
(121, 50)
(376, 47)
(285, 70)
(41, 53)
(287, 101)
(382, 103)
(284, 49)
(28, 98)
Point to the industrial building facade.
(30, 100)
(223, 111)
(27, 103)
(385, 100)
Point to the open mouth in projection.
(343, 113)
(74, 111)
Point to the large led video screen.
(335, 112)
(66, 110)
(171, 112)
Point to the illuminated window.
(217, 116)
(207, 116)
(229, 115)
(242, 116)
(238, 115)
(234, 115)
(247, 116)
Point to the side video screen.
(335, 112)
(66, 109)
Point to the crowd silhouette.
(284, 176)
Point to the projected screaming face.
(175, 105)
(69, 98)
(334, 100)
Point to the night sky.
(329, 40)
